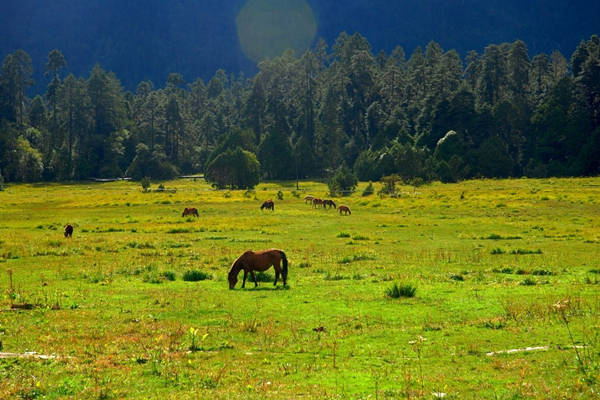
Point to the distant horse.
(344, 209)
(317, 202)
(68, 231)
(328, 203)
(261, 260)
(190, 211)
(269, 205)
(308, 199)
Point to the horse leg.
(254, 276)
(278, 271)
(244, 282)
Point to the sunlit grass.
(490, 258)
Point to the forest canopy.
(431, 115)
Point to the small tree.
(369, 190)
(389, 184)
(343, 182)
(237, 169)
(145, 182)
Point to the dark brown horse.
(317, 202)
(261, 260)
(190, 211)
(269, 205)
(344, 209)
(68, 231)
(328, 204)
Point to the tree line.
(432, 115)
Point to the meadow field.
(505, 274)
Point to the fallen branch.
(28, 354)
(533, 348)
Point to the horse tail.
(284, 267)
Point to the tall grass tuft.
(396, 291)
(195, 275)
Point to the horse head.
(232, 278)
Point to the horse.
(329, 203)
(269, 205)
(344, 209)
(68, 231)
(308, 199)
(261, 260)
(317, 202)
(190, 211)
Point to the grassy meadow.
(499, 266)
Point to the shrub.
(396, 291)
(262, 277)
(195, 275)
(343, 182)
(369, 190)
(153, 164)
(525, 251)
(343, 235)
(360, 237)
(145, 182)
(542, 272)
(528, 282)
(236, 169)
(457, 277)
(168, 275)
(334, 277)
(389, 184)
(280, 195)
(521, 271)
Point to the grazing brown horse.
(190, 211)
(68, 231)
(344, 209)
(261, 260)
(317, 202)
(269, 205)
(308, 199)
(328, 203)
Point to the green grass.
(113, 303)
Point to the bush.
(150, 164)
(262, 277)
(236, 169)
(168, 275)
(145, 182)
(396, 291)
(343, 182)
(389, 184)
(195, 275)
(280, 195)
(369, 190)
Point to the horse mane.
(240, 259)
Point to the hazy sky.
(147, 39)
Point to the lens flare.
(268, 27)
